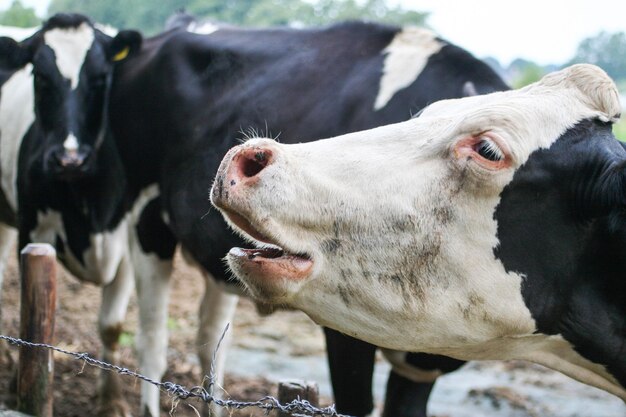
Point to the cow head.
(420, 235)
(71, 65)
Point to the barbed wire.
(178, 392)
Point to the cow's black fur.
(561, 225)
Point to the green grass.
(619, 129)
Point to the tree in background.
(524, 72)
(606, 50)
(19, 16)
(150, 18)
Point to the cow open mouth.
(268, 262)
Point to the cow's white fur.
(202, 28)
(217, 310)
(397, 360)
(71, 143)
(14, 123)
(405, 58)
(152, 282)
(406, 280)
(101, 259)
(70, 46)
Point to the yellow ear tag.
(121, 54)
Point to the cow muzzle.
(69, 164)
(271, 271)
(240, 170)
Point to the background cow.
(488, 228)
(183, 101)
(55, 187)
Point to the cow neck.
(573, 268)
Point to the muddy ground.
(286, 345)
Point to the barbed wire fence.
(298, 407)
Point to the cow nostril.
(252, 164)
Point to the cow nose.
(240, 169)
(247, 164)
(71, 159)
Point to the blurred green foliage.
(150, 17)
(619, 129)
(20, 16)
(606, 50)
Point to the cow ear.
(13, 55)
(124, 44)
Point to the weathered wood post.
(294, 389)
(38, 304)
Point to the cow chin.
(270, 275)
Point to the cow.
(489, 227)
(54, 188)
(179, 105)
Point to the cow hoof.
(117, 408)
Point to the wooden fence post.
(293, 390)
(38, 304)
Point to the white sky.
(544, 31)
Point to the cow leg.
(351, 364)
(411, 380)
(115, 298)
(216, 311)
(152, 280)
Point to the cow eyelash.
(488, 149)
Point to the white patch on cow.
(102, 257)
(397, 360)
(146, 195)
(551, 351)
(217, 310)
(165, 216)
(406, 57)
(49, 226)
(71, 143)
(152, 281)
(202, 28)
(375, 412)
(17, 103)
(70, 46)
(405, 261)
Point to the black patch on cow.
(154, 235)
(562, 225)
(66, 20)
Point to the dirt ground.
(266, 349)
(76, 330)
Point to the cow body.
(179, 105)
(495, 233)
(53, 104)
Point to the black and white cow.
(61, 178)
(489, 227)
(181, 103)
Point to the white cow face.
(389, 234)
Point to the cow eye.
(488, 150)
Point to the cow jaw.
(272, 272)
